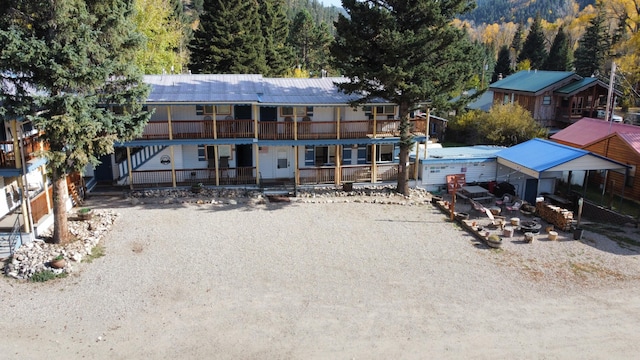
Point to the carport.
(534, 166)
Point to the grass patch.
(46, 275)
(97, 252)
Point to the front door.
(531, 190)
(283, 162)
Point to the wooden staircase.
(76, 198)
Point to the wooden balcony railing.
(31, 147)
(276, 130)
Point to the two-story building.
(254, 131)
(554, 98)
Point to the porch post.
(43, 171)
(173, 161)
(17, 155)
(338, 171)
(256, 151)
(216, 165)
(374, 166)
(129, 168)
(296, 167)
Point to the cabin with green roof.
(554, 98)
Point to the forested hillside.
(517, 11)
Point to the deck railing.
(31, 147)
(187, 177)
(276, 130)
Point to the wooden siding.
(617, 149)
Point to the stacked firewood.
(561, 218)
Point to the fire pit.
(530, 226)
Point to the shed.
(534, 166)
(477, 163)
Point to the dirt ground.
(324, 281)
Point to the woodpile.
(561, 218)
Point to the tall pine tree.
(559, 58)
(406, 52)
(533, 48)
(503, 65)
(229, 39)
(275, 29)
(593, 47)
(60, 63)
(310, 42)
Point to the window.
(300, 111)
(546, 100)
(381, 109)
(631, 176)
(208, 109)
(505, 100)
(576, 105)
(384, 153)
(325, 155)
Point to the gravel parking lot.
(297, 280)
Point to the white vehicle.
(614, 117)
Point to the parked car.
(614, 117)
(632, 118)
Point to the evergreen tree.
(310, 42)
(407, 52)
(592, 47)
(516, 43)
(559, 58)
(229, 39)
(534, 47)
(275, 29)
(60, 63)
(503, 65)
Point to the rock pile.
(384, 194)
(36, 256)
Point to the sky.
(336, 3)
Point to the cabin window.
(384, 153)
(208, 109)
(576, 105)
(631, 176)
(546, 100)
(505, 99)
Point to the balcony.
(31, 146)
(277, 130)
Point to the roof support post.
(173, 162)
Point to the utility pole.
(609, 108)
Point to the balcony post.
(216, 163)
(256, 153)
(375, 121)
(295, 125)
(17, 154)
(255, 121)
(338, 123)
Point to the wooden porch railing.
(187, 177)
(276, 130)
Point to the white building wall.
(434, 176)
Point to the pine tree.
(61, 62)
(229, 39)
(406, 52)
(559, 58)
(516, 43)
(310, 42)
(534, 46)
(503, 65)
(592, 47)
(275, 29)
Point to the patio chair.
(515, 207)
(505, 200)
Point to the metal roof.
(582, 84)
(247, 89)
(587, 130)
(478, 153)
(633, 139)
(537, 155)
(532, 81)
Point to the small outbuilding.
(533, 167)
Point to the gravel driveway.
(324, 281)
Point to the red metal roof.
(587, 130)
(633, 139)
